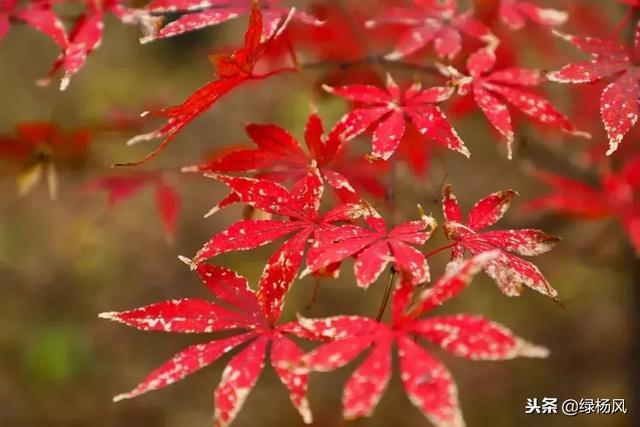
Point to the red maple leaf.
(341, 46)
(617, 196)
(491, 89)
(515, 13)
(237, 308)
(374, 248)
(232, 71)
(42, 139)
(279, 157)
(39, 148)
(392, 108)
(510, 272)
(433, 21)
(197, 14)
(417, 153)
(337, 38)
(86, 36)
(361, 172)
(301, 221)
(495, 14)
(123, 186)
(37, 14)
(619, 101)
(426, 381)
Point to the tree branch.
(373, 60)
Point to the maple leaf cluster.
(315, 232)
(287, 184)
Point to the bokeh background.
(64, 261)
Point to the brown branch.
(372, 60)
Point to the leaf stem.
(391, 199)
(435, 251)
(387, 294)
(314, 295)
(628, 16)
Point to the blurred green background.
(64, 261)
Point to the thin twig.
(435, 251)
(391, 199)
(314, 295)
(387, 294)
(373, 60)
(391, 189)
